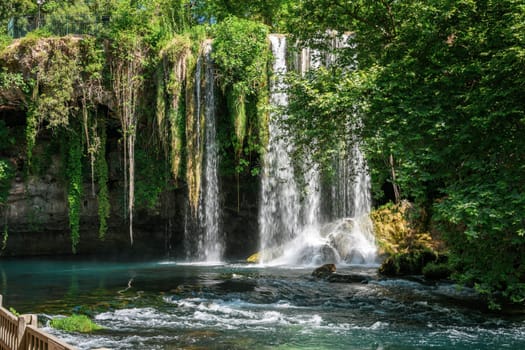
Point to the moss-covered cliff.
(105, 144)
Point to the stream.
(171, 305)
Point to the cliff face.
(79, 145)
(35, 215)
(37, 222)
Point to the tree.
(443, 106)
(269, 12)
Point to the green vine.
(5, 237)
(74, 196)
(31, 126)
(101, 169)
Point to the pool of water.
(170, 305)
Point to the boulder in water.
(351, 278)
(324, 271)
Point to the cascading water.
(207, 243)
(290, 221)
(279, 209)
(210, 247)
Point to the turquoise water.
(169, 305)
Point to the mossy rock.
(254, 258)
(75, 323)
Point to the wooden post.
(0, 300)
(32, 320)
(21, 331)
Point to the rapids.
(171, 305)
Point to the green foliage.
(172, 16)
(436, 271)
(399, 229)
(269, 12)
(74, 193)
(75, 323)
(75, 17)
(6, 168)
(5, 40)
(101, 169)
(240, 51)
(8, 9)
(152, 178)
(176, 58)
(10, 84)
(324, 113)
(58, 90)
(6, 175)
(14, 312)
(31, 132)
(443, 97)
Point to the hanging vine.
(32, 124)
(64, 80)
(90, 87)
(175, 58)
(74, 195)
(126, 69)
(194, 130)
(101, 167)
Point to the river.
(170, 305)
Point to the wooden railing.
(22, 333)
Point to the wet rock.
(348, 278)
(323, 254)
(324, 271)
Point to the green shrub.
(6, 175)
(437, 271)
(75, 323)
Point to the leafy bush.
(6, 175)
(399, 230)
(436, 271)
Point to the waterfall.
(203, 240)
(210, 247)
(291, 229)
(279, 209)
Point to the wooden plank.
(48, 338)
(51, 345)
